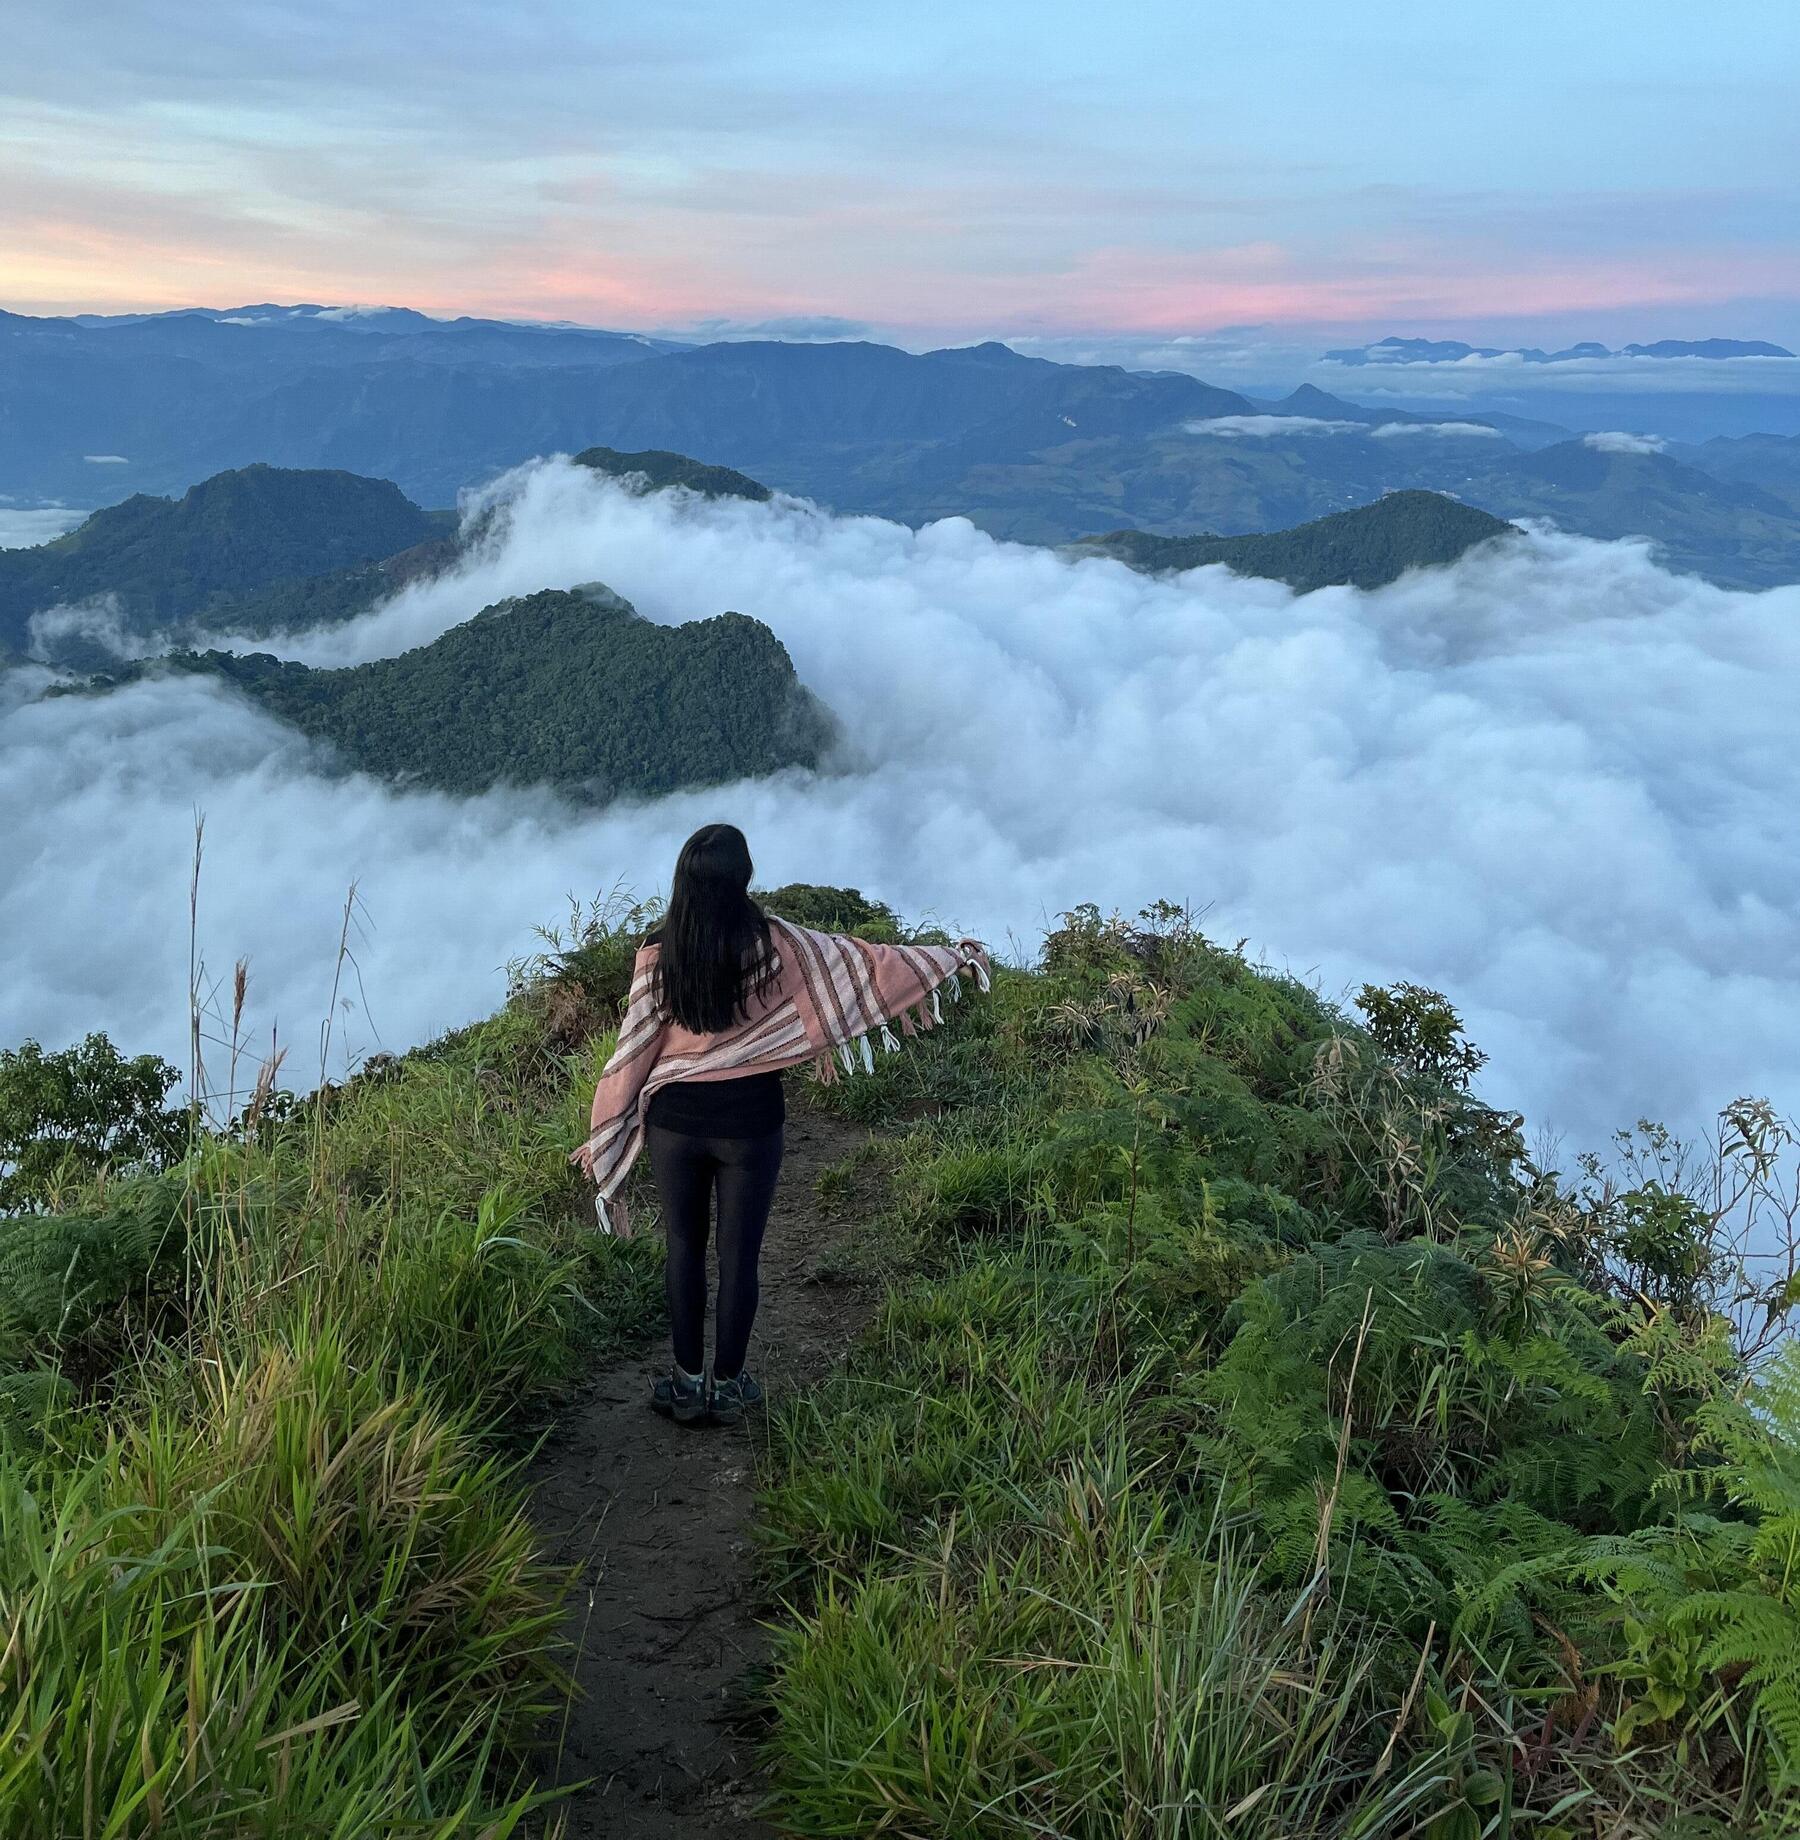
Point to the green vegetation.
(263, 1565)
(565, 689)
(1262, 1446)
(66, 1116)
(334, 597)
(1253, 1441)
(250, 536)
(1364, 548)
(660, 470)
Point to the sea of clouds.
(1554, 780)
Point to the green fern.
(1726, 1587)
(59, 1272)
(26, 1400)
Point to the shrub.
(62, 1276)
(67, 1116)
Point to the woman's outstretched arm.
(857, 986)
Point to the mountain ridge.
(662, 470)
(249, 533)
(1025, 447)
(1367, 547)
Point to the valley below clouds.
(1553, 780)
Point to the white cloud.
(1276, 427)
(95, 622)
(794, 328)
(1498, 378)
(26, 528)
(1553, 780)
(106, 459)
(349, 313)
(1617, 441)
(1441, 430)
(1265, 427)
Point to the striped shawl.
(830, 993)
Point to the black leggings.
(687, 1170)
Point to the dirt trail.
(656, 1516)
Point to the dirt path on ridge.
(663, 1619)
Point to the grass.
(264, 1568)
(1252, 1443)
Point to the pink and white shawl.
(830, 993)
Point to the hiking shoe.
(678, 1397)
(730, 1398)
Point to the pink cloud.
(897, 259)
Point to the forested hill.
(571, 689)
(252, 535)
(1364, 548)
(660, 470)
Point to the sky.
(1169, 168)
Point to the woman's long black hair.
(716, 950)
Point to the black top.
(746, 1106)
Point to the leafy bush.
(61, 1275)
(832, 910)
(68, 1115)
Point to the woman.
(723, 997)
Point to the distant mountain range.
(1452, 351)
(1365, 548)
(1311, 454)
(569, 689)
(157, 403)
(1026, 448)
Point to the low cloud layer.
(1271, 427)
(1269, 359)
(1617, 441)
(1282, 427)
(22, 528)
(1553, 780)
(96, 622)
(1472, 377)
(1441, 430)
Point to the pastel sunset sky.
(1522, 171)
